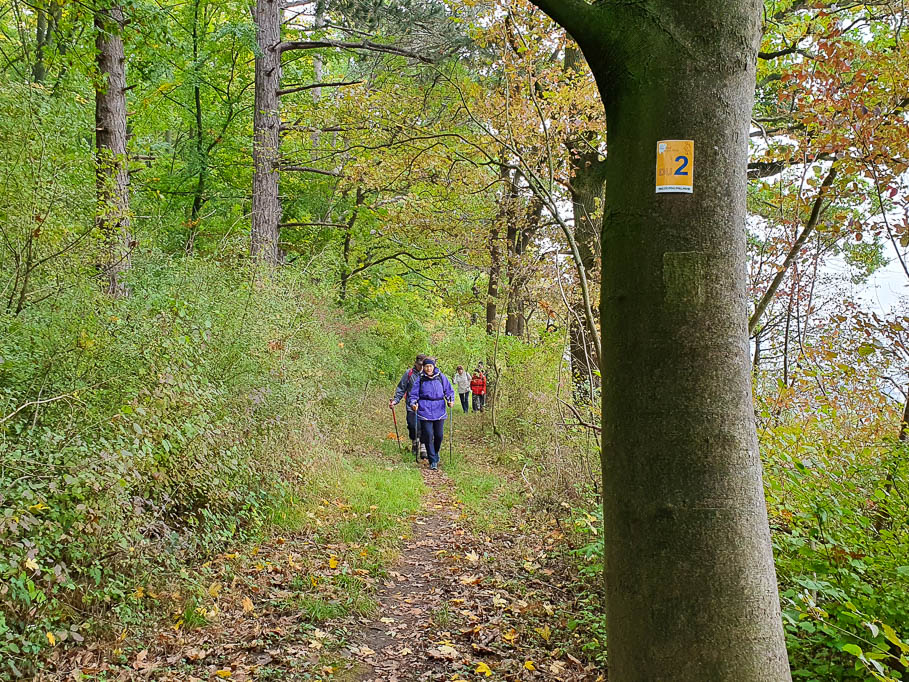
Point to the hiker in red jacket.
(478, 388)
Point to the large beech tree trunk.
(691, 586)
(111, 172)
(266, 200)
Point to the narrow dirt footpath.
(457, 604)
(401, 641)
(460, 605)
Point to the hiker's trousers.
(412, 425)
(431, 434)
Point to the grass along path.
(385, 571)
(469, 598)
(259, 612)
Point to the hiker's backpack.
(407, 393)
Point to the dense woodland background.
(214, 253)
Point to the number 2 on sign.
(675, 166)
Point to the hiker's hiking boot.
(434, 466)
(423, 454)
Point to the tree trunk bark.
(201, 156)
(512, 268)
(517, 240)
(345, 247)
(904, 422)
(587, 195)
(42, 33)
(691, 586)
(112, 173)
(492, 289)
(266, 200)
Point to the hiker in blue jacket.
(405, 387)
(431, 392)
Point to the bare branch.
(308, 169)
(364, 45)
(577, 416)
(313, 86)
(816, 212)
(316, 224)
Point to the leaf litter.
(457, 606)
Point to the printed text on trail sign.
(675, 166)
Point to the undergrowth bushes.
(141, 433)
(837, 489)
(839, 515)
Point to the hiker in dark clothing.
(401, 392)
(431, 391)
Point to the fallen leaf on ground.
(483, 669)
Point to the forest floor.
(413, 575)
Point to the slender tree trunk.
(42, 32)
(756, 360)
(47, 22)
(691, 586)
(904, 422)
(492, 289)
(266, 200)
(587, 195)
(345, 249)
(112, 173)
(786, 337)
(345, 267)
(317, 67)
(201, 156)
(512, 268)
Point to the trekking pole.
(451, 436)
(416, 418)
(397, 435)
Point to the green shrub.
(143, 433)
